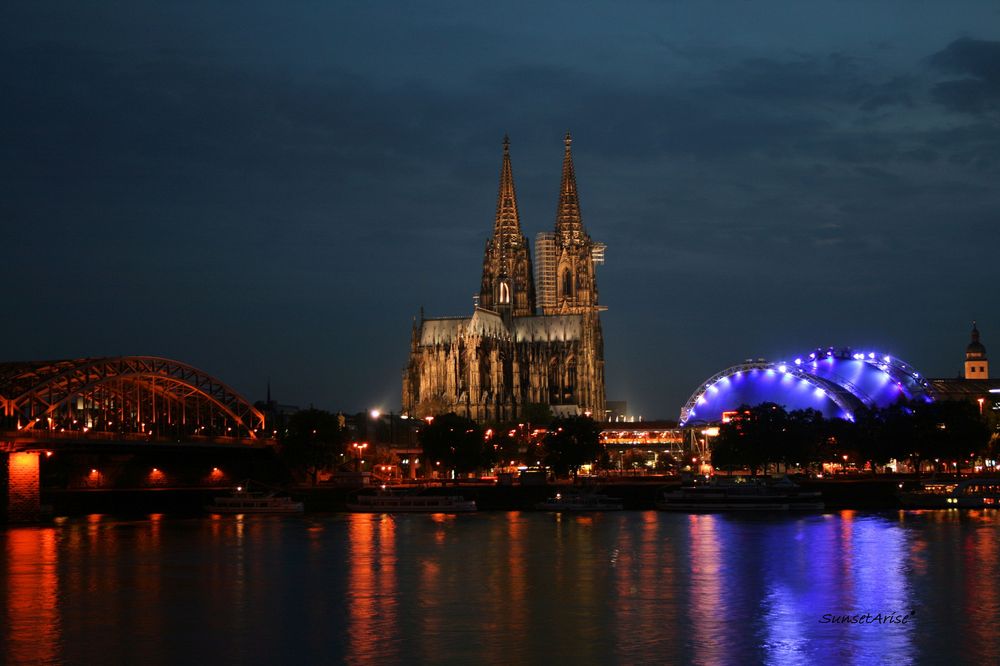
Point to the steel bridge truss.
(131, 394)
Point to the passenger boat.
(967, 494)
(573, 501)
(244, 500)
(741, 494)
(390, 502)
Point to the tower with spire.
(507, 286)
(575, 283)
(509, 353)
(977, 366)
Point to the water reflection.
(372, 628)
(500, 587)
(31, 619)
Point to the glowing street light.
(359, 449)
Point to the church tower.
(508, 286)
(575, 282)
(576, 378)
(976, 364)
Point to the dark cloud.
(277, 196)
(979, 91)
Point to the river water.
(514, 587)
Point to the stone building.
(510, 352)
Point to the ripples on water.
(502, 587)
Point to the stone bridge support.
(19, 487)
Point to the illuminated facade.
(977, 366)
(518, 348)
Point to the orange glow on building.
(22, 487)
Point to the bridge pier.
(19, 487)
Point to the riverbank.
(636, 494)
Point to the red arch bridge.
(129, 400)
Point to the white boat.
(389, 502)
(244, 500)
(573, 501)
(741, 494)
(967, 494)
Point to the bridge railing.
(78, 435)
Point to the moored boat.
(741, 494)
(244, 500)
(966, 494)
(393, 502)
(573, 501)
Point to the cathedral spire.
(569, 224)
(507, 279)
(507, 224)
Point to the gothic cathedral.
(533, 337)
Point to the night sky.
(273, 190)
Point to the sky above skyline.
(272, 191)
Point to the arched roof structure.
(124, 394)
(835, 382)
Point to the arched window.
(504, 292)
(569, 388)
(567, 281)
(555, 390)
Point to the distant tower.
(976, 364)
(507, 286)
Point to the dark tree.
(537, 414)
(570, 443)
(954, 430)
(755, 437)
(456, 443)
(802, 440)
(508, 442)
(312, 442)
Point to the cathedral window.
(504, 292)
(567, 283)
(570, 386)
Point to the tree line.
(315, 440)
(766, 435)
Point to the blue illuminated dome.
(835, 382)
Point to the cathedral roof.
(548, 328)
(488, 324)
(437, 331)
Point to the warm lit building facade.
(518, 348)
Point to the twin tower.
(533, 337)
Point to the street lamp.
(359, 448)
